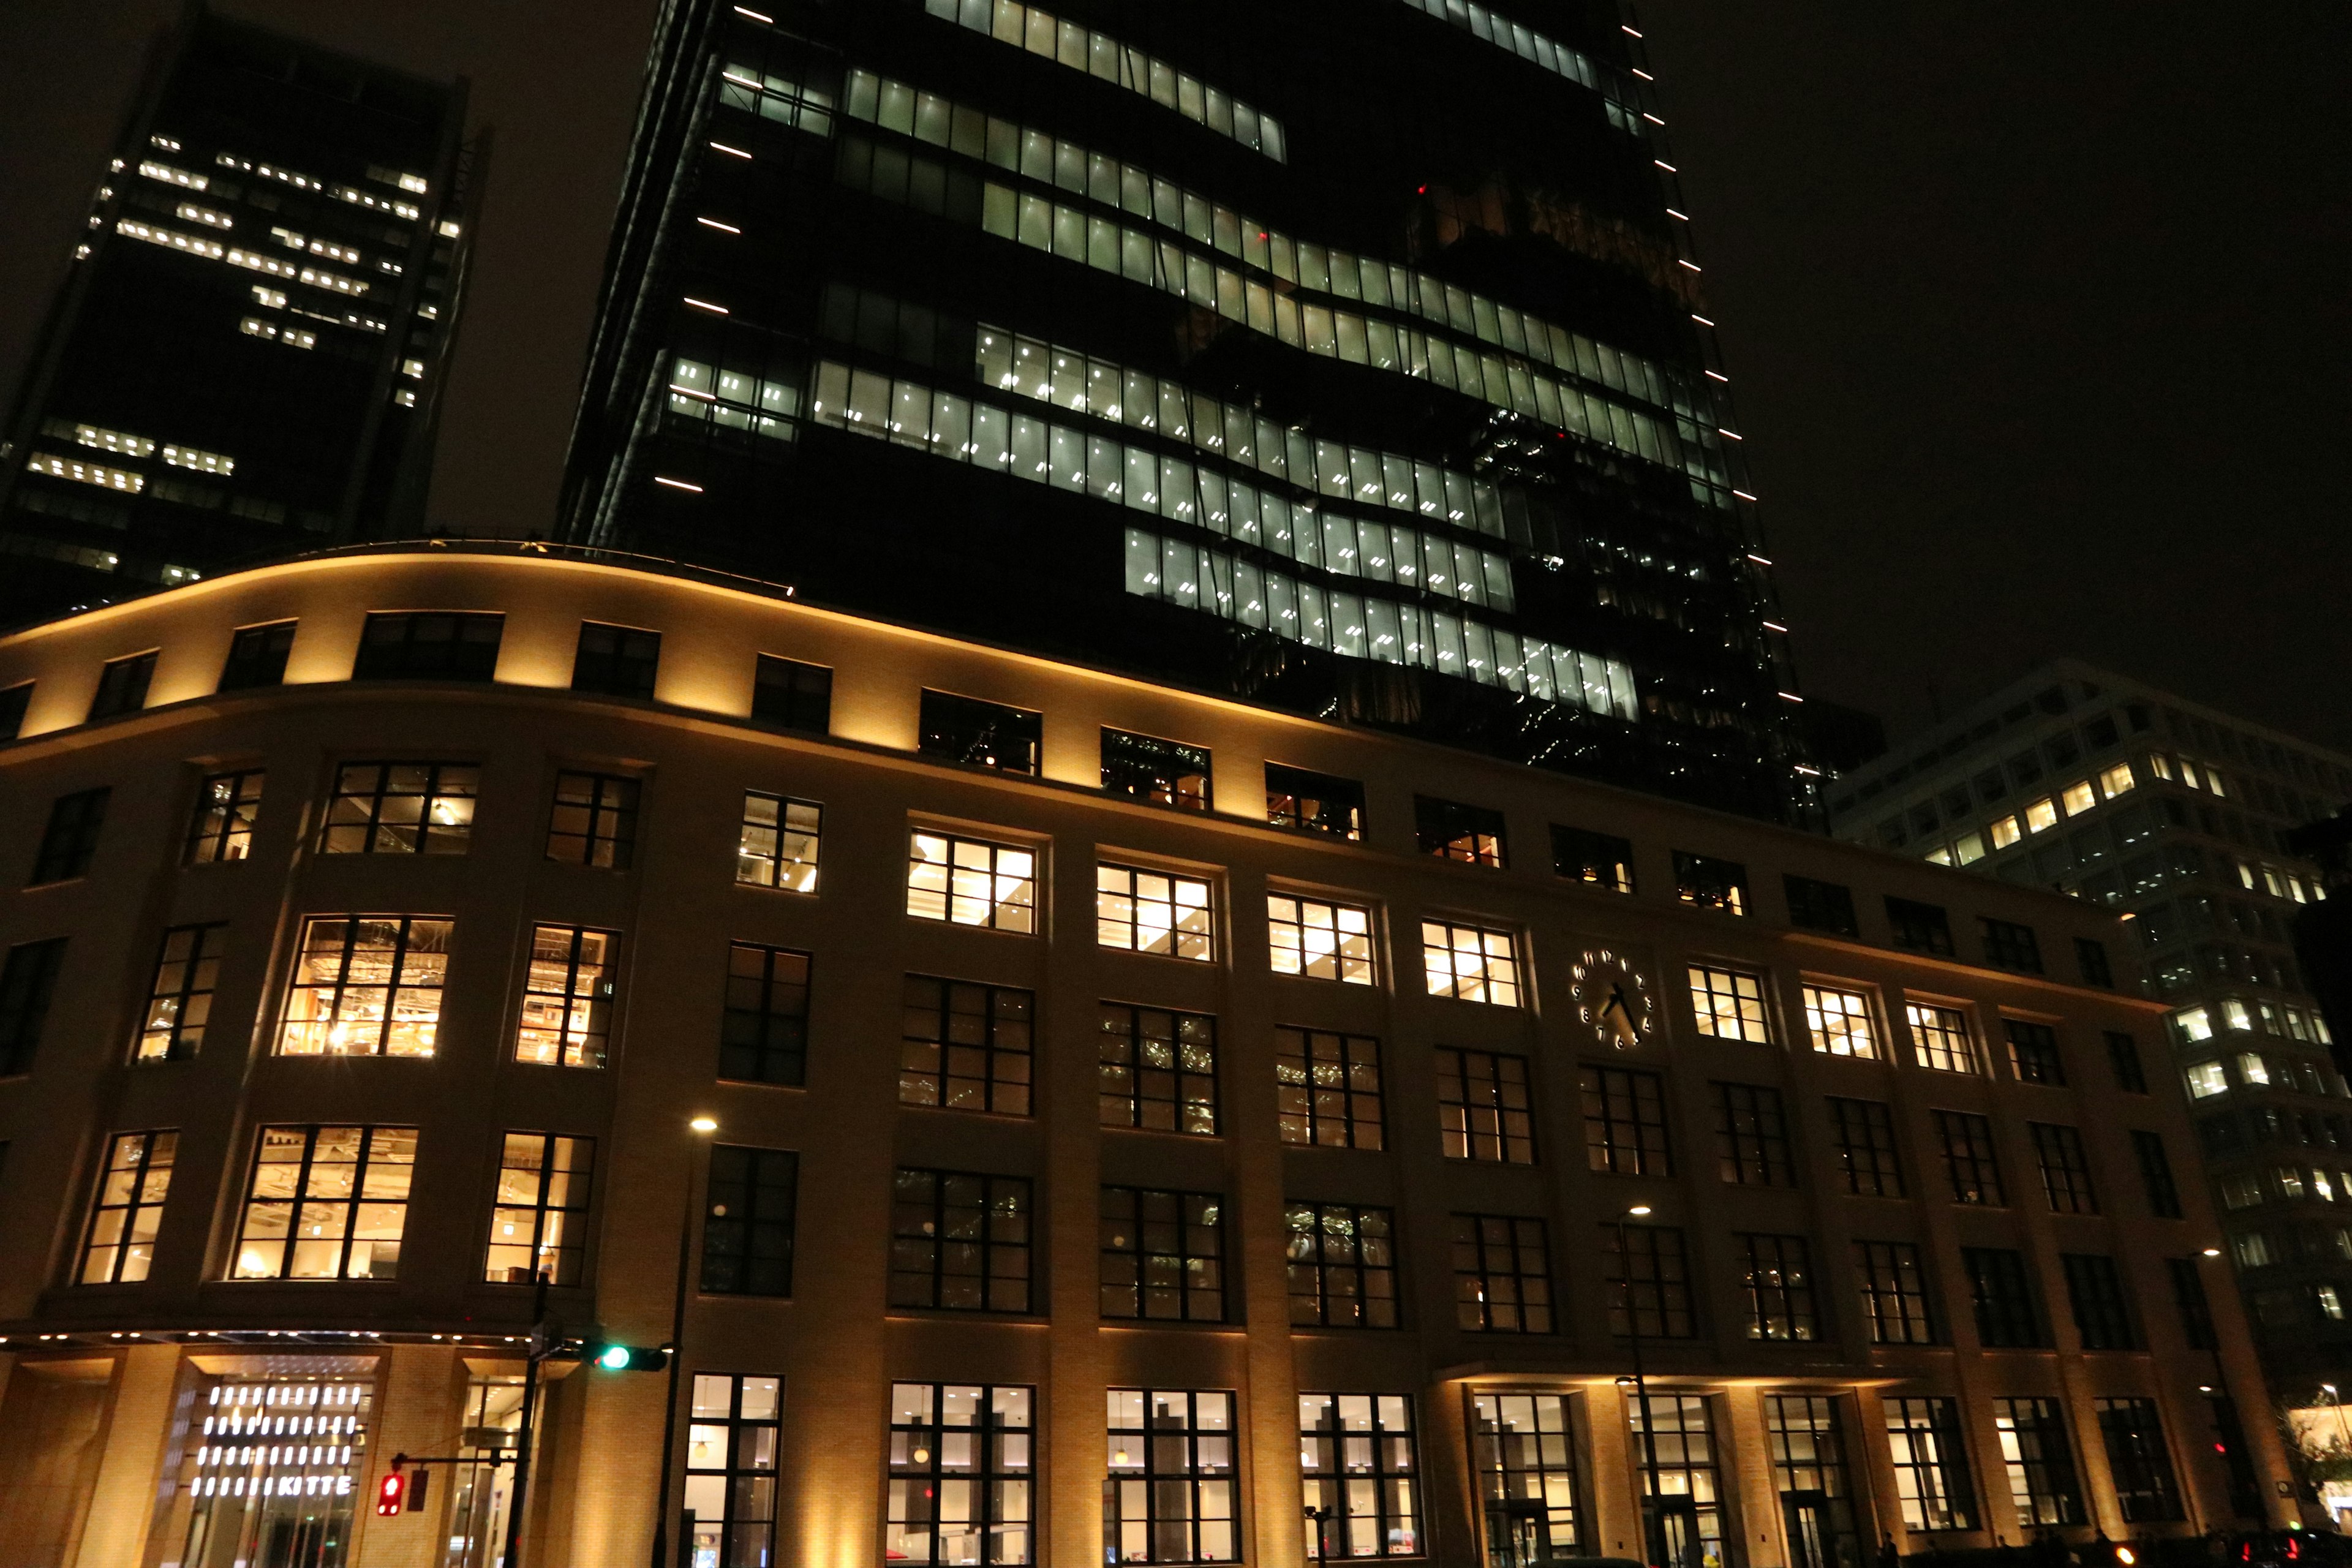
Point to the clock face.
(1613, 999)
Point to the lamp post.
(702, 1127)
(1650, 1535)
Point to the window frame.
(396, 659)
(1335, 1485)
(129, 1243)
(400, 981)
(28, 984)
(1207, 1474)
(1711, 882)
(1360, 1231)
(1932, 1036)
(1025, 918)
(1951, 1496)
(1455, 985)
(1297, 959)
(123, 684)
(1165, 788)
(1708, 1017)
(1349, 799)
(224, 822)
(2065, 1163)
(241, 668)
(617, 842)
(975, 1239)
(1895, 1291)
(1522, 1238)
(380, 837)
(1489, 1128)
(1851, 1031)
(1659, 1267)
(558, 1206)
(624, 670)
(1460, 832)
(1196, 1303)
(2002, 1298)
(1003, 1469)
(1000, 1092)
(178, 1013)
(1776, 1271)
(787, 712)
(1974, 1171)
(764, 1015)
(794, 835)
(1535, 1464)
(1583, 856)
(69, 838)
(1871, 1163)
(936, 736)
(1751, 1137)
(1190, 1098)
(591, 991)
(1189, 933)
(735, 1270)
(304, 1203)
(749, 1437)
(1300, 1103)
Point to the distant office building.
(247, 357)
(1348, 358)
(2141, 801)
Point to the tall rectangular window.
(1776, 1273)
(402, 808)
(2155, 1175)
(966, 1047)
(2123, 1060)
(1673, 1442)
(1360, 1473)
(1158, 1069)
(1327, 1088)
(1625, 1121)
(1710, 883)
(1319, 940)
(70, 842)
(1502, 1275)
(1839, 1023)
(777, 842)
(1921, 927)
(2009, 945)
(1600, 860)
(28, 981)
(1313, 801)
(1163, 1256)
(1821, 906)
(959, 1242)
(2033, 1052)
(2188, 1299)
(1729, 1004)
(593, 822)
(2065, 1169)
(1473, 835)
(1751, 1136)
(180, 996)
(428, 646)
(1862, 1134)
(567, 998)
(1809, 1456)
(1647, 1269)
(1157, 772)
(731, 1444)
(222, 826)
(256, 656)
(2094, 1288)
(1970, 1160)
(123, 687)
(1893, 1292)
(1470, 963)
(617, 661)
(2040, 1458)
(971, 882)
(326, 1203)
(763, 1035)
(747, 1226)
(1940, 1038)
(961, 1476)
(1930, 1451)
(792, 695)
(15, 702)
(1523, 1449)
(2090, 959)
(1342, 1267)
(979, 734)
(119, 1249)
(366, 986)
(1483, 1108)
(1172, 1494)
(1155, 912)
(2001, 1291)
(2138, 1459)
(538, 1229)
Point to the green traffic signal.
(630, 1358)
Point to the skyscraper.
(1349, 358)
(246, 356)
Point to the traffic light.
(389, 1493)
(628, 1357)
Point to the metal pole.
(1642, 1398)
(676, 1356)
(510, 1557)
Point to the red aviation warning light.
(389, 1493)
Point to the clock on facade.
(1612, 998)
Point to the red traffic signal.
(389, 1493)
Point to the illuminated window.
(966, 1047)
(366, 986)
(617, 661)
(1163, 1256)
(1624, 1122)
(1474, 835)
(1316, 803)
(794, 695)
(1319, 940)
(1360, 1476)
(1502, 1275)
(1893, 1292)
(1839, 1022)
(2040, 1458)
(2004, 831)
(593, 822)
(2117, 780)
(971, 882)
(1172, 1494)
(1162, 772)
(1470, 963)
(402, 808)
(1775, 1272)
(2195, 1024)
(1158, 1069)
(981, 734)
(1710, 883)
(538, 1228)
(748, 1235)
(1482, 1109)
(429, 646)
(1601, 859)
(961, 1479)
(28, 982)
(69, 840)
(763, 1035)
(1647, 1269)
(2077, 798)
(1154, 912)
(2206, 1079)
(778, 843)
(256, 656)
(1970, 1160)
(2041, 814)
(179, 997)
(731, 1450)
(1523, 1448)
(1929, 1448)
(1730, 1004)
(1862, 1136)
(327, 1203)
(960, 1242)
(1342, 1266)
(1327, 1088)
(222, 827)
(129, 1210)
(567, 998)
(123, 687)
(1940, 1038)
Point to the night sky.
(2036, 315)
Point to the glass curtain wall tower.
(1348, 358)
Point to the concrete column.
(1878, 1501)
(1743, 1461)
(122, 1503)
(418, 1397)
(1615, 1484)
(619, 1443)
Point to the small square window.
(617, 661)
(1598, 859)
(1710, 883)
(1730, 1004)
(972, 882)
(965, 1047)
(123, 687)
(1161, 773)
(1327, 1088)
(2009, 945)
(792, 695)
(1452, 831)
(1155, 911)
(1315, 803)
(778, 842)
(1921, 927)
(1158, 1069)
(1483, 1109)
(1940, 1038)
(1839, 1022)
(1318, 939)
(1821, 906)
(256, 656)
(2033, 1052)
(1470, 963)
(981, 734)
(595, 821)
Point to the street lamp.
(1652, 1535)
(702, 1127)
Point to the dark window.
(402, 808)
(617, 661)
(1342, 1265)
(1711, 883)
(28, 979)
(1751, 1136)
(1893, 1292)
(2008, 1316)
(1648, 1274)
(123, 686)
(594, 821)
(1931, 1464)
(959, 1242)
(2139, 1461)
(965, 1047)
(2091, 958)
(1482, 1108)
(1601, 859)
(1776, 1273)
(1861, 1132)
(180, 996)
(1821, 906)
(1164, 772)
(2102, 1313)
(2189, 1298)
(2007, 945)
(1318, 803)
(746, 1233)
(1502, 1275)
(256, 656)
(1625, 1121)
(2033, 1052)
(2155, 1175)
(2041, 1473)
(2123, 1056)
(14, 702)
(2066, 1172)
(1969, 1159)
(222, 828)
(763, 1035)
(1163, 1256)
(793, 695)
(1452, 831)
(429, 646)
(72, 838)
(1327, 1088)
(1158, 1069)
(983, 734)
(1922, 928)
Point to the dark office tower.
(246, 356)
(1346, 356)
